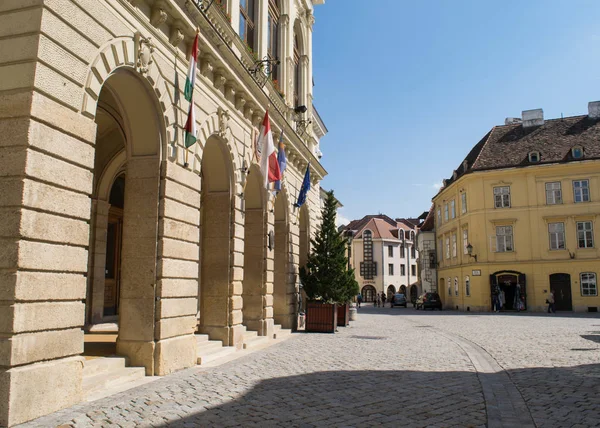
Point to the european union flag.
(304, 189)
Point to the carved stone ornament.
(159, 15)
(177, 35)
(310, 18)
(240, 101)
(144, 50)
(219, 78)
(223, 121)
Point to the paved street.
(392, 367)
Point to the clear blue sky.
(406, 88)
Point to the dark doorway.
(510, 288)
(413, 293)
(114, 243)
(368, 293)
(560, 283)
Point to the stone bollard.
(353, 312)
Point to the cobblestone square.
(391, 367)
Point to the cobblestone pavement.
(392, 367)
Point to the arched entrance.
(124, 226)
(509, 287)
(283, 286)
(255, 245)
(560, 284)
(215, 247)
(402, 289)
(391, 290)
(368, 293)
(414, 293)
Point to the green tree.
(326, 276)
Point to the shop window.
(585, 234)
(553, 193)
(588, 284)
(557, 236)
(581, 191)
(502, 197)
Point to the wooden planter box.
(343, 315)
(321, 317)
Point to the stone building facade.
(383, 253)
(427, 262)
(105, 214)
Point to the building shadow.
(403, 398)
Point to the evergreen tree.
(326, 276)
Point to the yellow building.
(520, 217)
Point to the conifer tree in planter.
(326, 278)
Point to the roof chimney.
(533, 117)
(512, 120)
(594, 109)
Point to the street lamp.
(470, 252)
(349, 236)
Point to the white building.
(427, 261)
(384, 255)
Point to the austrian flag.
(268, 156)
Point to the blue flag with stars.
(304, 189)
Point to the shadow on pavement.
(555, 397)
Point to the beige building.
(108, 224)
(383, 253)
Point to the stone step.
(116, 389)
(200, 338)
(249, 334)
(214, 354)
(255, 342)
(104, 382)
(107, 327)
(204, 347)
(103, 365)
(280, 333)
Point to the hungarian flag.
(281, 160)
(191, 76)
(268, 156)
(190, 126)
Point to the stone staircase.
(280, 333)
(211, 350)
(110, 375)
(252, 340)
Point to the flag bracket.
(262, 70)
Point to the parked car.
(429, 300)
(399, 299)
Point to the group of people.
(378, 301)
(499, 299)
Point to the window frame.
(413, 270)
(557, 236)
(467, 286)
(454, 246)
(581, 188)
(402, 269)
(248, 16)
(390, 251)
(452, 209)
(463, 202)
(391, 269)
(456, 286)
(446, 213)
(447, 241)
(581, 282)
(577, 148)
(439, 216)
(465, 240)
(553, 194)
(503, 203)
(585, 231)
(505, 236)
(536, 154)
(273, 16)
(449, 284)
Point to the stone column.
(138, 262)
(236, 328)
(97, 266)
(178, 267)
(254, 283)
(267, 301)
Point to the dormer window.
(534, 157)
(577, 152)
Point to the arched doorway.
(391, 290)
(283, 287)
(402, 289)
(124, 226)
(368, 293)
(560, 284)
(255, 245)
(414, 293)
(215, 242)
(509, 287)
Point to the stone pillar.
(236, 328)
(254, 284)
(178, 267)
(267, 300)
(46, 158)
(97, 263)
(138, 262)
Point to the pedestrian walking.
(359, 299)
(383, 299)
(550, 301)
(377, 299)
